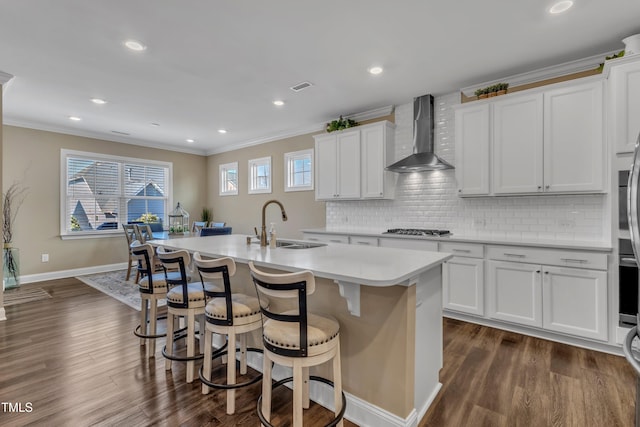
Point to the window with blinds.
(100, 192)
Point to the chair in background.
(197, 226)
(143, 232)
(183, 299)
(229, 314)
(217, 224)
(152, 287)
(297, 339)
(130, 233)
(215, 231)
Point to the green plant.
(75, 224)
(341, 124)
(607, 58)
(148, 217)
(206, 215)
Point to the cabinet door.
(463, 285)
(575, 301)
(574, 148)
(326, 238)
(624, 82)
(514, 292)
(517, 145)
(472, 150)
(374, 143)
(326, 172)
(348, 165)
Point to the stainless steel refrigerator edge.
(634, 231)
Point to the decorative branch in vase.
(12, 200)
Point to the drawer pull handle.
(312, 239)
(335, 241)
(514, 255)
(464, 251)
(574, 260)
(363, 243)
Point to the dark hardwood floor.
(75, 361)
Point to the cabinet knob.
(546, 272)
(538, 271)
(547, 187)
(459, 190)
(539, 187)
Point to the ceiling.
(213, 65)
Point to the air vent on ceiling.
(301, 86)
(120, 133)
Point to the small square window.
(260, 175)
(229, 179)
(298, 170)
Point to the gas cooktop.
(417, 232)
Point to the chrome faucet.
(263, 234)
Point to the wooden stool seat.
(232, 315)
(297, 339)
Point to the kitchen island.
(389, 305)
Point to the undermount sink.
(292, 244)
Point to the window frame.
(289, 159)
(223, 171)
(121, 195)
(253, 165)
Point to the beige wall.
(32, 157)
(243, 212)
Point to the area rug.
(24, 294)
(113, 283)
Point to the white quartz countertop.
(544, 243)
(372, 266)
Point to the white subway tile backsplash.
(429, 200)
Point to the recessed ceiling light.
(135, 45)
(222, 130)
(375, 70)
(98, 101)
(75, 118)
(278, 102)
(561, 6)
(191, 140)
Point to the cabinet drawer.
(363, 240)
(462, 249)
(326, 238)
(578, 259)
(422, 245)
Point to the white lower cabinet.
(574, 301)
(514, 292)
(463, 285)
(326, 238)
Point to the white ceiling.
(220, 64)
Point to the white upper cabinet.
(624, 90)
(377, 151)
(574, 149)
(350, 164)
(548, 141)
(517, 145)
(472, 150)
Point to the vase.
(10, 267)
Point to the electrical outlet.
(45, 257)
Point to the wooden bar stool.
(297, 339)
(229, 314)
(152, 287)
(183, 299)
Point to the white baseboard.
(52, 275)
(359, 412)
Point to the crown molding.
(8, 121)
(318, 127)
(551, 72)
(5, 77)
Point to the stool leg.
(153, 323)
(191, 343)
(243, 354)
(143, 319)
(305, 388)
(231, 373)
(337, 383)
(206, 367)
(202, 331)
(297, 394)
(266, 386)
(169, 341)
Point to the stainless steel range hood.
(423, 157)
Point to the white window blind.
(100, 192)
